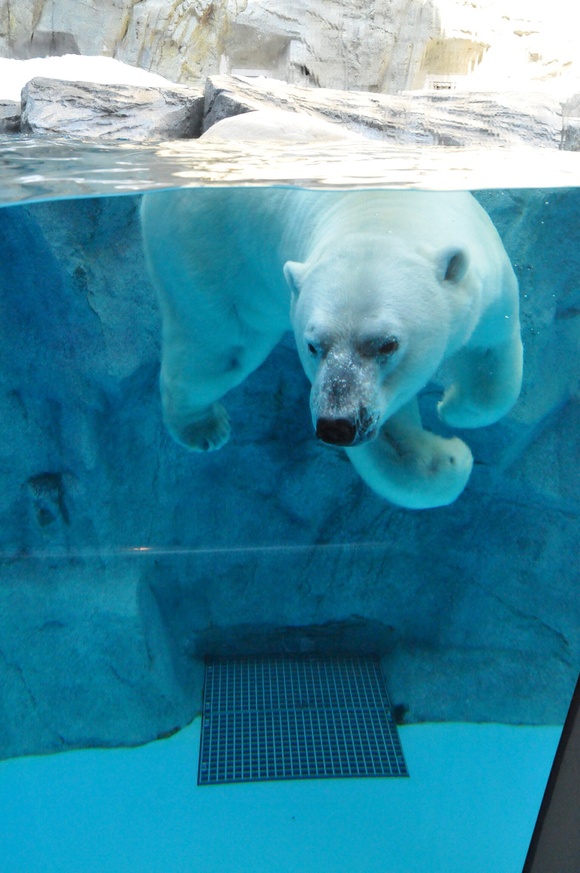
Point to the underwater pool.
(127, 560)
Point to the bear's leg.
(195, 376)
(485, 384)
(410, 466)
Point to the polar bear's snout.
(346, 431)
(341, 417)
(343, 401)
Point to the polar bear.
(278, 125)
(380, 288)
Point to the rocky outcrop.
(82, 110)
(88, 110)
(125, 559)
(452, 119)
(389, 46)
(10, 113)
(571, 124)
(328, 45)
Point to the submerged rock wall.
(125, 559)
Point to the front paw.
(435, 469)
(451, 462)
(413, 468)
(204, 432)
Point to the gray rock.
(9, 116)
(571, 135)
(571, 124)
(126, 559)
(571, 107)
(80, 109)
(430, 118)
(51, 106)
(328, 43)
(385, 47)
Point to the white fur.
(278, 125)
(380, 287)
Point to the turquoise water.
(126, 559)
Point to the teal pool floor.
(469, 807)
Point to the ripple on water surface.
(47, 168)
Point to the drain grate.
(296, 718)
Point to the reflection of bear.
(380, 288)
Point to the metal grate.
(296, 718)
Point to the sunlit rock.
(571, 124)
(389, 46)
(125, 102)
(446, 118)
(9, 116)
(50, 106)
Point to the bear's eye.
(312, 349)
(389, 346)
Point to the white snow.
(74, 68)
(469, 807)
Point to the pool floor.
(469, 807)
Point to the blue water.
(125, 558)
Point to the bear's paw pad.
(440, 474)
(453, 459)
(204, 434)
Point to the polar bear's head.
(372, 324)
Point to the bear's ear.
(453, 264)
(293, 273)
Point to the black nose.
(336, 431)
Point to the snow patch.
(73, 68)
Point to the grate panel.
(296, 718)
